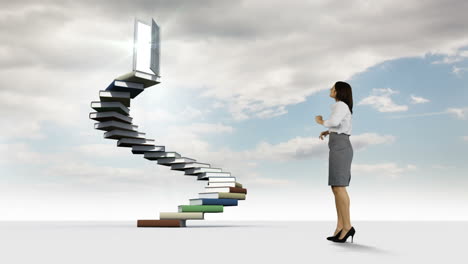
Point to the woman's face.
(333, 92)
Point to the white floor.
(231, 242)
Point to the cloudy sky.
(241, 83)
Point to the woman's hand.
(319, 119)
(324, 134)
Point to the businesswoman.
(340, 156)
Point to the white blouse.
(340, 119)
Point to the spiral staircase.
(112, 112)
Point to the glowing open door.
(146, 51)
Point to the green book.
(201, 208)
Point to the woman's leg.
(343, 203)
(339, 223)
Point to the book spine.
(237, 190)
(224, 195)
(181, 216)
(201, 208)
(161, 223)
(213, 201)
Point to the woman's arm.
(337, 115)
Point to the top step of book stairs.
(113, 116)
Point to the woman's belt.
(339, 133)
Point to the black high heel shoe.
(351, 233)
(335, 236)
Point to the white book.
(201, 170)
(222, 179)
(108, 116)
(161, 154)
(184, 166)
(215, 174)
(217, 189)
(112, 124)
(196, 202)
(113, 96)
(110, 106)
(172, 160)
(221, 184)
(118, 133)
(205, 175)
(129, 84)
(223, 195)
(183, 215)
(143, 149)
(129, 142)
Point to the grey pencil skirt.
(339, 160)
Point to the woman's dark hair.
(344, 93)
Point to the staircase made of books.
(113, 116)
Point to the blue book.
(213, 201)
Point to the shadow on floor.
(362, 248)
(222, 226)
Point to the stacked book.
(113, 115)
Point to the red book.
(161, 223)
(226, 189)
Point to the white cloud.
(388, 169)
(277, 183)
(99, 150)
(152, 112)
(307, 147)
(418, 100)
(217, 104)
(459, 55)
(202, 128)
(78, 167)
(296, 148)
(448, 60)
(381, 100)
(19, 153)
(53, 68)
(465, 138)
(272, 112)
(364, 140)
(419, 115)
(460, 113)
(190, 112)
(443, 167)
(72, 164)
(27, 113)
(384, 91)
(190, 144)
(271, 70)
(87, 173)
(459, 70)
